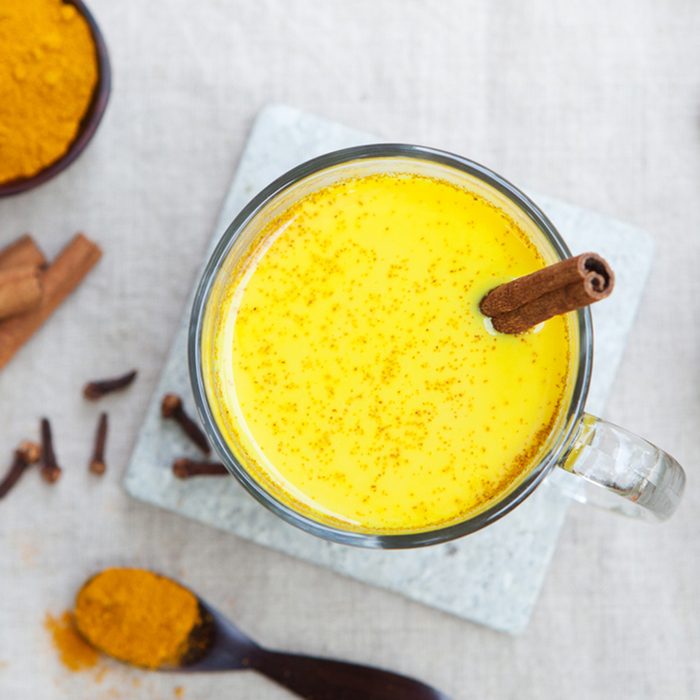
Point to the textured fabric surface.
(592, 103)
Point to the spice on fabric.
(137, 616)
(48, 75)
(75, 653)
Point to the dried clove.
(101, 387)
(50, 471)
(185, 468)
(26, 454)
(171, 407)
(97, 462)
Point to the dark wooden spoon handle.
(326, 679)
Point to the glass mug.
(619, 470)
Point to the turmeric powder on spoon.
(133, 615)
(137, 616)
(48, 74)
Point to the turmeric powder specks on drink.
(137, 616)
(48, 74)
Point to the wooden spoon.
(216, 644)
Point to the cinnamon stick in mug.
(571, 284)
(61, 278)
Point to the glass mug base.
(633, 473)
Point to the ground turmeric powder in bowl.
(137, 616)
(53, 61)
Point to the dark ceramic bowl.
(90, 121)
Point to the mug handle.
(622, 472)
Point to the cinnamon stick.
(24, 251)
(571, 284)
(64, 274)
(20, 290)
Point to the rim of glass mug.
(537, 473)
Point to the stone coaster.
(492, 577)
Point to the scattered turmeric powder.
(75, 653)
(137, 616)
(48, 75)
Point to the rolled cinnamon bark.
(24, 251)
(20, 290)
(571, 284)
(60, 279)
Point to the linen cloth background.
(594, 103)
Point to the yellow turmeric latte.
(352, 373)
(48, 73)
